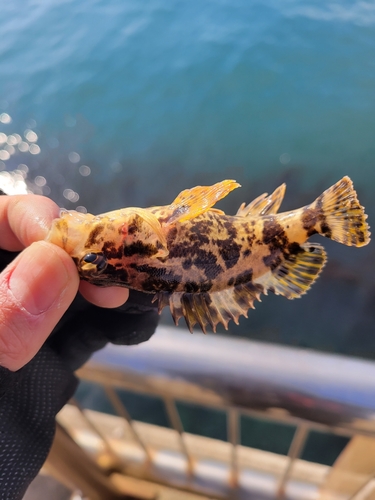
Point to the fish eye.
(93, 261)
(90, 258)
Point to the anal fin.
(211, 308)
(294, 276)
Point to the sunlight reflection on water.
(16, 179)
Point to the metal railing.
(312, 391)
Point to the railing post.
(69, 464)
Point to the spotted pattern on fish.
(94, 236)
(210, 267)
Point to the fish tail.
(338, 215)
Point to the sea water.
(111, 103)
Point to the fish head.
(102, 245)
(80, 235)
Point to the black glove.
(31, 397)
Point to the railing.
(311, 391)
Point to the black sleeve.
(30, 400)
(31, 397)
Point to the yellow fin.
(264, 204)
(344, 219)
(192, 202)
(144, 227)
(210, 308)
(217, 211)
(294, 276)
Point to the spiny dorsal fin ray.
(264, 204)
(294, 276)
(193, 202)
(211, 308)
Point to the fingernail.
(39, 278)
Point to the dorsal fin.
(192, 202)
(264, 204)
(294, 276)
(210, 308)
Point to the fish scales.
(210, 267)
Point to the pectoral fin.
(144, 234)
(192, 202)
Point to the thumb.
(35, 291)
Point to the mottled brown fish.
(209, 267)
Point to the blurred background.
(113, 103)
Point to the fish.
(207, 266)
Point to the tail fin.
(341, 216)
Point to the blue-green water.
(155, 97)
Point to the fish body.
(210, 267)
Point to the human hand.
(38, 286)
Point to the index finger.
(25, 219)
